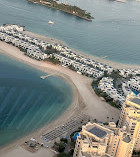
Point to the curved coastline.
(84, 100)
(70, 111)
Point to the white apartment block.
(130, 118)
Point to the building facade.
(100, 140)
(130, 118)
(108, 140)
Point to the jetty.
(44, 77)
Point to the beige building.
(130, 118)
(100, 140)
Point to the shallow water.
(26, 101)
(114, 32)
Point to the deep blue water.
(114, 33)
(26, 101)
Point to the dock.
(44, 77)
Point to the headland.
(73, 10)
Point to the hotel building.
(107, 141)
(130, 118)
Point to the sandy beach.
(80, 84)
(84, 100)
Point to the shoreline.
(115, 65)
(73, 108)
(84, 100)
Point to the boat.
(122, 1)
(105, 57)
(51, 22)
(42, 77)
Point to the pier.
(44, 77)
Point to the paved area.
(72, 124)
(21, 152)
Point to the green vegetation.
(64, 140)
(74, 10)
(138, 75)
(107, 98)
(71, 136)
(106, 123)
(69, 154)
(95, 82)
(50, 50)
(53, 60)
(72, 67)
(137, 154)
(60, 147)
(63, 155)
(115, 75)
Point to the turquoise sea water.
(114, 33)
(26, 101)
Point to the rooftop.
(98, 132)
(135, 100)
(85, 154)
(127, 139)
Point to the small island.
(73, 10)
